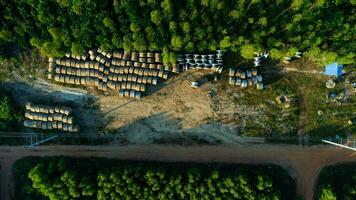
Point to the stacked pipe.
(200, 61)
(111, 70)
(48, 118)
(245, 78)
(259, 58)
(288, 59)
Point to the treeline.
(337, 182)
(73, 178)
(324, 29)
(10, 115)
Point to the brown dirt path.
(304, 164)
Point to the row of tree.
(323, 29)
(67, 178)
(10, 117)
(337, 182)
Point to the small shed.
(333, 69)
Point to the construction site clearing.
(198, 101)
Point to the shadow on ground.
(86, 110)
(163, 129)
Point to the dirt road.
(304, 164)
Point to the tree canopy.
(72, 178)
(337, 182)
(9, 116)
(325, 30)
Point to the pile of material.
(118, 70)
(289, 59)
(284, 101)
(49, 118)
(245, 78)
(200, 61)
(259, 58)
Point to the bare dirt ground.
(172, 111)
(304, 164)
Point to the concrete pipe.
(65, 119)
(114, 78)
(165, 75)
(142, 54)
(120, 77)
(154, 80)
(160, 66)
(44, 126)
(126, 93)
(142, 87)
(56, 77)
(132, 93)
(50, 118)
(65, 127)
(137, 64)
(167, 68)
(144, 65)
(134, 56)
(160, 73)
(28, 106)
(57, 109)
(63, 70)
(96, 65)
(149, 79)
(101, 68)
(117, 86)
(150, 60)
(139, 79)
(134, 78)
(143, 60)
(82, 81)
(77, 80)
(60, 125)
(138, 95)
(131, 70)
(72, 80)
(150, 54)
(106, 71)
(117, 70)
(121, 93)
(28, 115)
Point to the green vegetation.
(10, 116)
(322, 29)
(307, 94)
(337, 182)
(94, 178)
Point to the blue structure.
(333, 69)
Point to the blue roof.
(333, 69)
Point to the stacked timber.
(50, 117)
(116, 70)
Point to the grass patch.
(307, 94)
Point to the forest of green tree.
(337, 182)
(324, 29)
(72, 178)
(10, 115)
